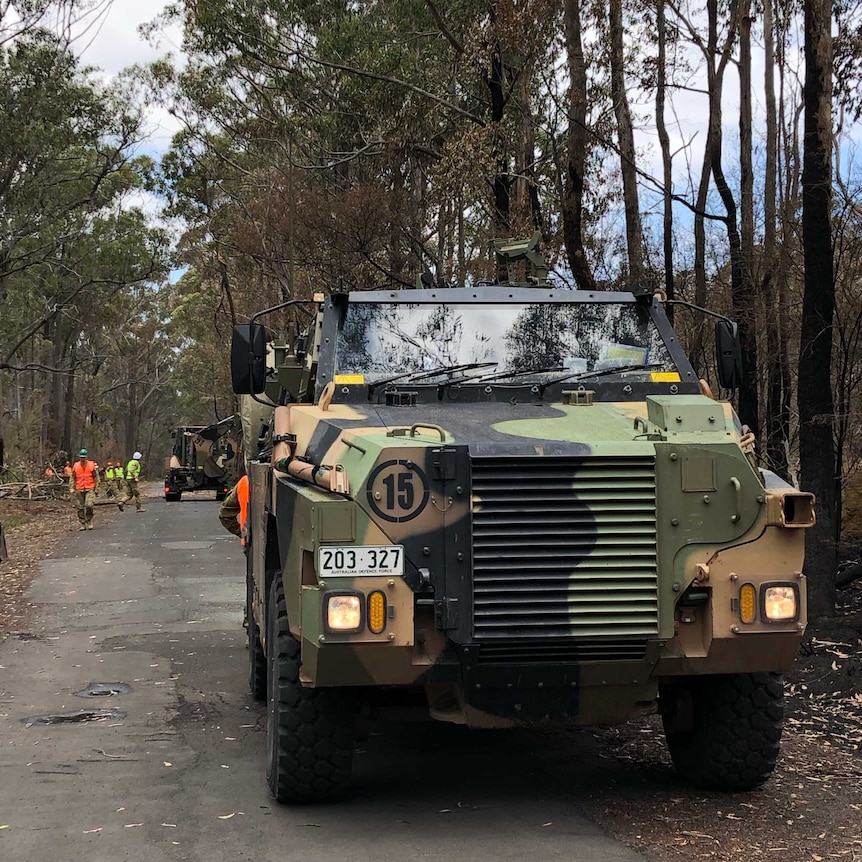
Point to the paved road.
(154, 600)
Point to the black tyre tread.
(256, 655)
(736, 734)
(310, 731)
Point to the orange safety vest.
(242, 498)
(84, 475)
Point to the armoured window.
(378, 340)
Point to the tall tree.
(576, 154)
(626, 141)
(816, 406)
(664, 143)
(777, 416)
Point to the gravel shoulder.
(621, 777)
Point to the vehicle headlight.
(780, 602)
(343, 612)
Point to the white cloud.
(110, 41)
(113, 43)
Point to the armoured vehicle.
(511, 505)
(202, 459)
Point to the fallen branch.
(848, 573)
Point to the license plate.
(384, 560)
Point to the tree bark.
(816, 418)
(69, 401)
(572, 205)
(495, 80)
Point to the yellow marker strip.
(665, 377)
(350, 378)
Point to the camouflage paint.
(659, 503)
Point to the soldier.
(132, 474)
(83, 486)
(233, 513)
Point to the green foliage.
(83, 358)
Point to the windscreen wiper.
(604, 372)
(451, 369)
(503, 375)
(417, 376)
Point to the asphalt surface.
(154, 600)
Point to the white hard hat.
(137, 455)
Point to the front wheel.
(724, 732)
(309, 731)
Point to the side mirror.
(248, 359)
(728, 354)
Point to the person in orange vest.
(67, 470)
(83, 487)
(233, 513)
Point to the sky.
(110, 42)
(113, 43)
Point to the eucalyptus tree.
(364, 142)
(70, 240)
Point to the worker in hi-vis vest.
(110, 481)
(233, 513)
(132, 474)
(83, 485)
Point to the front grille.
(564, 548)
(562, 650)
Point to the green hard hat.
(83, 453)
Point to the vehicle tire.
(724, 732)
(256, 655)
(309, 731)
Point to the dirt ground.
(33, 530)
(811, 809)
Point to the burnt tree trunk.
(816, 418)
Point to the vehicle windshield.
(382, 340)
